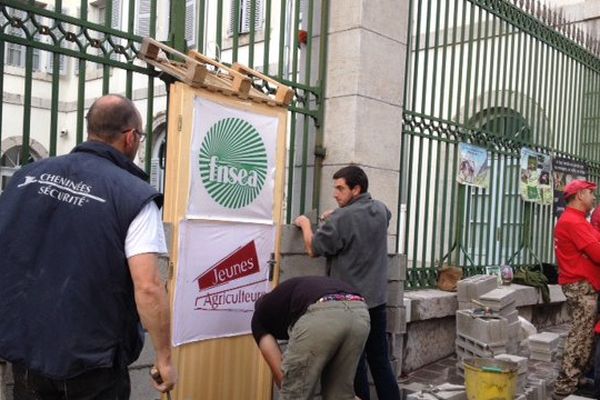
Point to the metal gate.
(501, 75)
(57, 56)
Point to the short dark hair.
(110, 115)
(353, 175)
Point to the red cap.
(576, 185)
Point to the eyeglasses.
(141, 134)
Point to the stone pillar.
(363, 100)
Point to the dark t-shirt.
(276, 311)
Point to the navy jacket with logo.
(66, 295)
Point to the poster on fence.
(232, 164)
(223, 270)
(473, 166)
(535, 177)
(564, 171)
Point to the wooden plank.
(239, 83)
(227, 368)
(283, 94)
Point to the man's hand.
(326, 214)
(302, 221)
(164, 376)
(307, 234)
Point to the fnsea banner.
(223, 269)
(232, 164)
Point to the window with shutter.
(115, 21)
(143, 18)
(190, 23)
(246, 15)
(50, 57)
(15, 54)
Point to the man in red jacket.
(577, 247)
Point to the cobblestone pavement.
(446, 371)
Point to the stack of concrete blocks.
(472, 288)
(502, 301)
(396, 311)
(521, 372)
(479, 337)
(544, 346)
(536, 389)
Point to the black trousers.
(96, 384)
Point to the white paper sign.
(232, 164)
(223, 269)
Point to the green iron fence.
(503, 76)
(95, 46)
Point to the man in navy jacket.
(80, 236)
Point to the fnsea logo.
(233, 163)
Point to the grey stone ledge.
(433, 303)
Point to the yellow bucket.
(489, 379)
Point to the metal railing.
(96, 45)
(500, 75)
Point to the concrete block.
(291, 240)
(514, 330)
(397, 267)
(524, 295)
(474, 345)
(512, 316)
(542, 356)
(544, 342)
(537, 388)
(469, 352)
(486, 330)
(499, 298)
(396, 346)
(473, 287)
(395, 293)
(556, 294)
(396, 320)
(467, 305)
(520, 361)
(302, 265)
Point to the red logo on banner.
(241, 262)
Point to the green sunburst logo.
(233, 163)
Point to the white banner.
(223, 269)
(233, 164)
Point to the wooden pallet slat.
(200, 71)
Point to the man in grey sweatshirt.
(354, 240)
